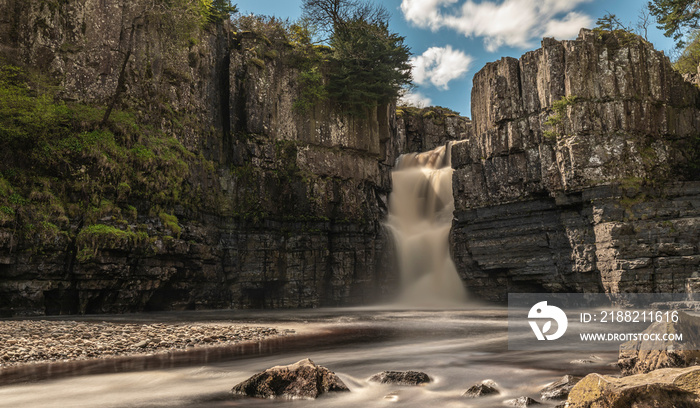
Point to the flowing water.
(421, 208)
(457, 348)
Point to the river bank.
(42, 341)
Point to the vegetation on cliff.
(63, 169)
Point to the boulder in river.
(401, 378)
(663, 388)
(559, 389)
(301, 380)
(482, 389)
(638, 357)
(521, 402)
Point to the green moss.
(171, 223)
(101, 236)
(257, 62)
(559, 108)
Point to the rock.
(521, 402)
(554, 194)
(559, 389)
(401, 378)
(645, 356)
(301, 380)
(663, 388)
(484, 388)
(142, 344)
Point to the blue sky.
(452, 39)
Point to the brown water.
(457, 348)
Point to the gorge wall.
(273, 207)
(582, 174)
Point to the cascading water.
(420, 217)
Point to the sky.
(453, 39)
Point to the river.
(457, 348)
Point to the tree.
(369, 64)
(328, 15)
(643, 22)
(677, 18)
(689, 59)
(610, 22)
(221, 10)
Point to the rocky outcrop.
(284, 209)
(401, 378)
(665, 388)
(421, 130)
(582, 172)
(643, 356)
(301, 380)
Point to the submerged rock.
(521, 402)
(664, 388)
(401, 377)
(301, 380)
(484, 388)
(640, 357)
(559, 389)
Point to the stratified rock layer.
(582, 172)
(287, 215)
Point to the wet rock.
(484, 388)
(644, 356)
(664, 388)
(401, 378)
(521, 402)
(301, 380)
(559, 389)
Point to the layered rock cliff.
(582, 174)
(271, 207)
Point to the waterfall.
(420, 217)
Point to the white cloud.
(509, 22)
(439, 66)
(415, 99)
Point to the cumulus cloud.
(509, 22)
(439, 66)
(416, 99)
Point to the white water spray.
(420, 217)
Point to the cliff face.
(582, 174)
(278, 208)
(420, 130)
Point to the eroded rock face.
(401, 378)
(664, 388)
(645, 356)
(421, 130)
(580, 176)
(560, 389)
(301, 380)
(289, 212)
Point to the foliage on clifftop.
(359, 66)
(61, 169)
